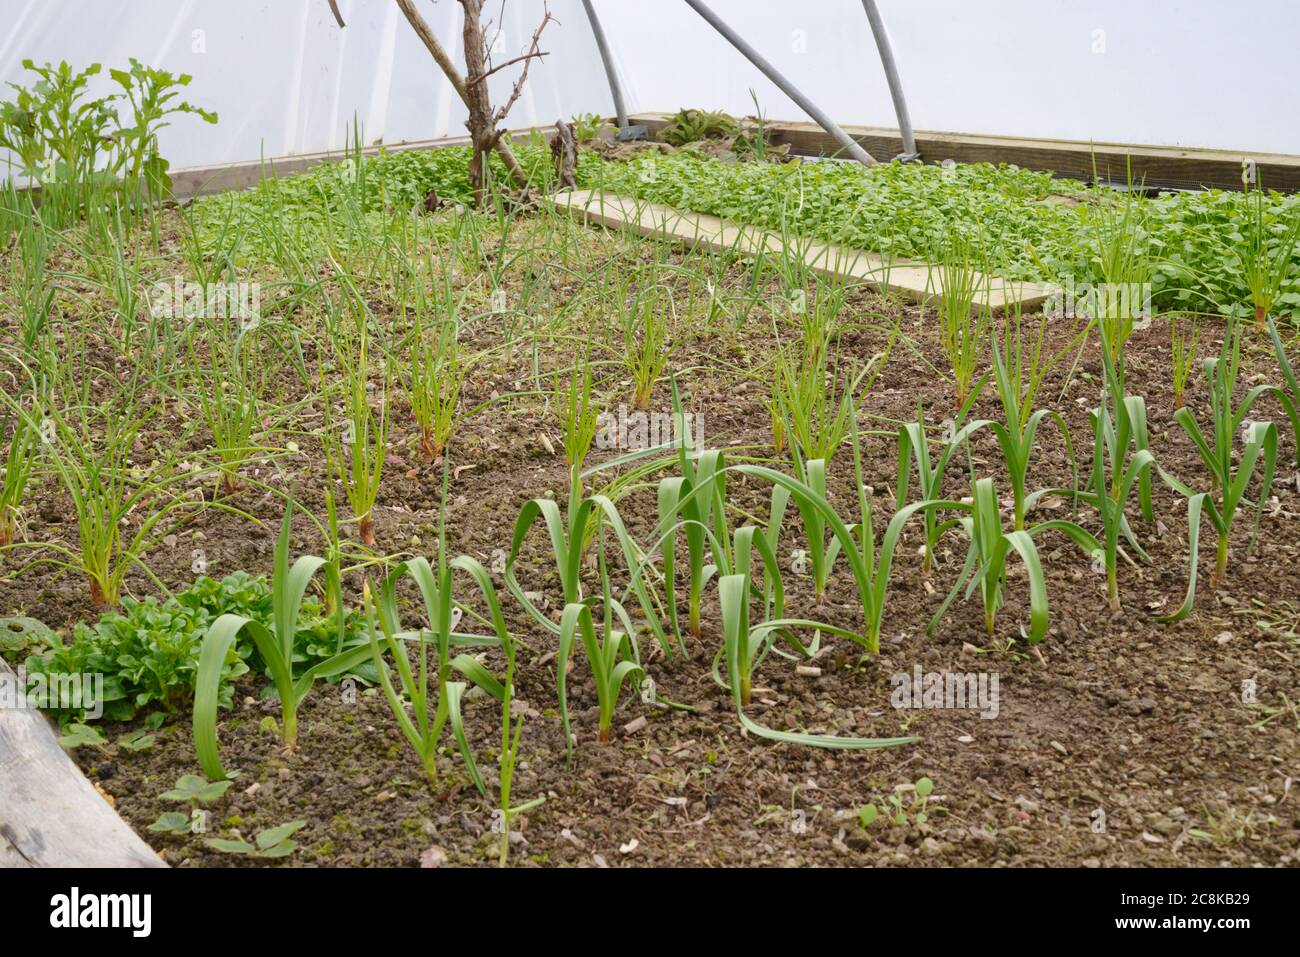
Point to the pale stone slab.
(917, 281)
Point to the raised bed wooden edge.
(1171, 167)
(50, 814)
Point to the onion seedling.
(1290, 395)
(742, 643)
(1027, 360)
(333, 568)
(228, 394)
(434, 385)
(424, 733)
(644, 324)
(809, 398)
(858, 542)
(356, 447)
(567, 538)
(986, 561)
(612, 658)
(217, 239)
(814, 408)
(1230, 472)
(510, 752)
(579, 413)
(1121, 255)
(436, 369)
(773, 406)
(123, 281)
(914, 446)
(121, 508)
(19, 463)
(699, 469)
(275, 645)
(1266, 255)
(30, 282)
(1184, 337)
(1121, 461)
(1018, 435)
(964, 323)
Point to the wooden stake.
(564, 152)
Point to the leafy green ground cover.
(149, 651)
(1030, 225)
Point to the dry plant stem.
(564, 153)
(482, 123)
(439, 54)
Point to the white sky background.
(284, 79)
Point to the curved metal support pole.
(603, 46)
(786, 87)
(891, 75)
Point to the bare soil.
(1118, 740)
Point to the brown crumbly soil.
(1117, 741)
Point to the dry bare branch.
(527, 58)
(448, 67)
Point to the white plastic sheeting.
(1218, 73)
(286, 80)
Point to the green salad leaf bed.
(1032, 225)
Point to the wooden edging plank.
(1172, 167)
(50, 815)
(917, 281)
